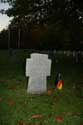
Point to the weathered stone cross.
(38, 68)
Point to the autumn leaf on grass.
(49, 92)
(59, 119)
(37, 116)
(20, 122)
(11, 102)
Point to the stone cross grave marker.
(38, 67)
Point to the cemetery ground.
(56, 107)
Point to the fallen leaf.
(49, 92)
(11, 102)
(58, 119)
(36, 116)
(20, 122)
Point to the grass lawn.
(64, 107)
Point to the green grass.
(17, 107)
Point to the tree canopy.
(63, 18)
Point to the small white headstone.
(37, 68)
(64, 52)
(74, 53)
(68, 53)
